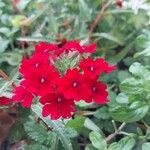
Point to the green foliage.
(133, 103)
(64, 134)
(126, 143)
(97, 141)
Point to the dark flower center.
(36, 65)
(75, 84)
(59, 99)
(42, 80)
(91, 68)
(94, 88)
(46, 50)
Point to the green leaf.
(83, 104)
(148, 133)
(114, 146)
(17, 132)
(58, 127)
(138, 70)
(110, 37)
(36, 131)
(22, 4)
(132, 113)
(77, 123)
(98, 141)
(90, 147)
(17, 19)
(7, 84)
(36, 146)
(102, 113)
(145, 52)
(91, 125)
(122, 75)
(119, 56)
(146, 146)
(143, 41)
(126, 143)
(33, 39)
(53, 26)
(3, 44)
(13, 58)
(85, 12)
(122, 98)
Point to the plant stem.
(99, 16)
(111, 136)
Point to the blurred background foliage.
(121, 30)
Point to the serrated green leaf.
(131, 113)
(36, 146)
(98, 141)
(58, 127)
(36, 131)
(125, 143)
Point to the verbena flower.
(23, 96)
(73, 85)
(40, 81)
(58, 90)
(93, 68)
(56, 106)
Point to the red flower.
(40, 81)
(75, 46)
(99, 92)
(45, 48)
(5, 101)
(33, 63)
(73, 85)
(93, 68)
(72, 46)
(51, 50)
(56, 105)
(23, 96)
(119, 3)
(91, 48)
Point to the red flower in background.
(45, 48)
(56, 105)
(93, 68)
(91, 48)
(51, 50)
(72, 46)
(119, 3)
(40, 81)
(75, 46)
(5, 101)
(73, 85)
(23, 96)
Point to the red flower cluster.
(58, 91)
